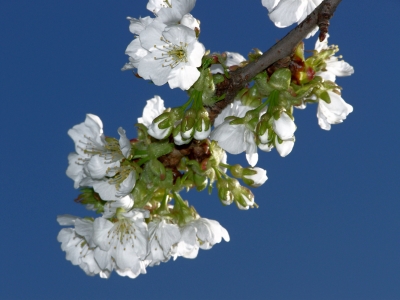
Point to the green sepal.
(89, 197)
(218, 78)
(200, 181)
(205, 84)
(255, 54)
(156, 150)
(157, 168)
(261, 82)
(235, 120)
(280, 80)
(188, 120)
(325, 96)
(251, 97)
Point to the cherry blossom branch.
(281, 50)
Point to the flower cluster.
(165, 48)
(126, 182)
(127, 244)
(135, 185)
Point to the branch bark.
(284, 48)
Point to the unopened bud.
(200, 181)
(203, 126)
(224, 192)
(254, 177)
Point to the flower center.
(109, 149)
(172, 54)
(122, 232)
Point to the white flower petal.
(183, 77)
(284, 127)
(230, 137)
(287, 12)
(124, 143)
(285, 147)
(136, 26)
(98, 166)
(153, 108)
(259, 178)
(127, 185)
(75, 169)
(151, 67)
(189, 21)
(270, 4)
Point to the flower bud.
(284, 127)
(262, 131)
(200, 181)
(157, 132)
(254, 177)
(203, 126)
(236, 171)
(188, 122)
(224, 192)
(178, 139)
(267, 147)
(284, 147)
(244, 198)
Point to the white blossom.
(287, 12)
(178, 13)
(174, 54)
(153, 108)
(78, 245)
(181, 6)
(135, 51)
(200, 233)
(86, 135)
(96, 157)
(110, 208)
(162, 237)
(235, 139)
(122, 245)
(156, 5)
(136, 26)
(334, 112)
(124, 143)
(111, 189)
(284, 127)
(334, 65)
(259, 178)
(337, 110)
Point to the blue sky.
(328, 224)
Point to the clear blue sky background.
(328, 225)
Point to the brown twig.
(284, 48)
